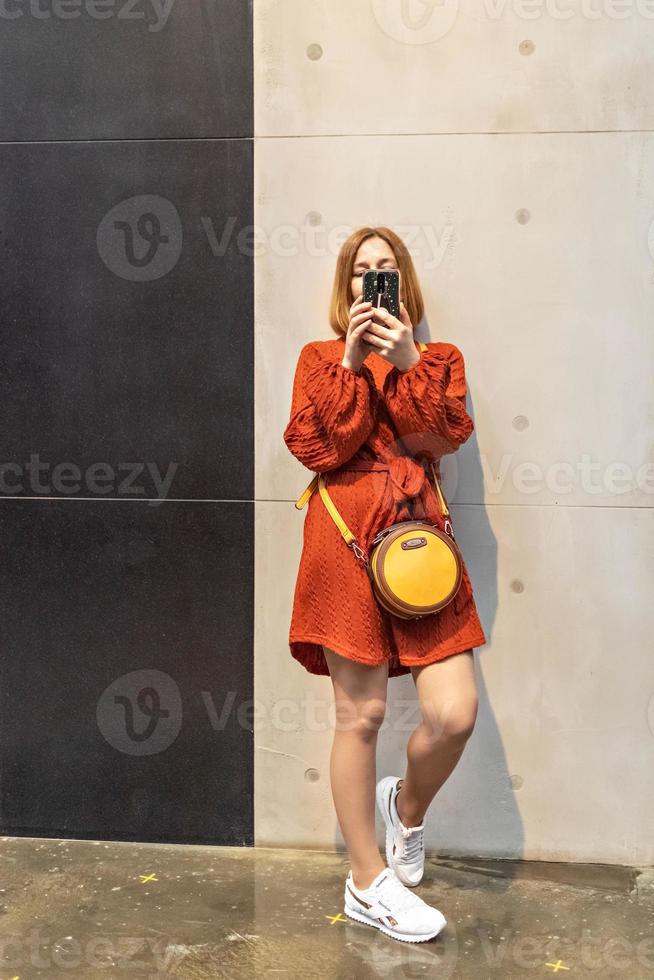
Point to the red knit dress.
(338, 418)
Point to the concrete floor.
(93, 910)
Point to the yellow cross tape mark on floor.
(336, 918)
(146, 878)
(557, 966)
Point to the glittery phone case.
(381, 287)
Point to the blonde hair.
(339, 307)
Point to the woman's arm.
(430, 397)
(333, 411)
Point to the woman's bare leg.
(360, 706)
(447, 692)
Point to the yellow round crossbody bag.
(414, 568)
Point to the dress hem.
(316, 664)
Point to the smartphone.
(381, 287)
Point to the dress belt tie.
(407, 478)
(407, 474)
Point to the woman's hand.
(391, 338)
(356, 348)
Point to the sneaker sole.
(382, 794)
(358, 917)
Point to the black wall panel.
(126, 670)
(146, 69)
(98, 366)
(126, 471)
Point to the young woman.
(367, 407)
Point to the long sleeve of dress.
(428, 401)
(333, 411)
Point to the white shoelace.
(398, 897)
(412, 838)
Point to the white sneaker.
(405, 846)
(391, 907)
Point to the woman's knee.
(359, 694)
(371, 718)
(362, 718)
(453, 722)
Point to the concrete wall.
(512, 145)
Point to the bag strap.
(349, 538)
